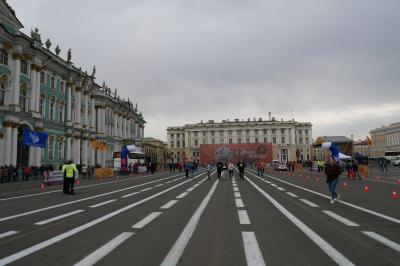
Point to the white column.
(38, 156)
(77, 150)
(14, 139)
(2, 154)
(120, 126)
(78, 101)
(85, 152)
(33, 94)
(16, 81)
(69, 104)
(115, 129)
(92, 156)
(103, 118)
(86, 103)
(124, 127)
(93, 113)
(128, 130)
(37, 101)
(32, 153)
(68, 148)
(7, 143)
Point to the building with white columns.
(41, 91)
(291, 140)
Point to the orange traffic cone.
(42, 187)
(78, 182)
(398, 181)
(366, 189)
(394, 194)
(345, 185)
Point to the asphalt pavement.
(167, 219)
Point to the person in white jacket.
(231, 168)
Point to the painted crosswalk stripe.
(243, 217)
(146, 220)
(58, 217)
(145, 189)
(239, 203)
(252, 250)
(383, 240)
(100, 253)
(340, 218)
(102, 203)
(168, 204)
(309, 203)
(292, 195)
(237, 194)
(131, 194)
(9, 233)
(181, 196)
(280, 188)
(176, 251)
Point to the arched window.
(41, 104)
(61, 112)
(61, 149)
(3, 88)
(4, 57)
(52, 109)
(24, 98)
(53, 83)
(51, 148)
(24, 67)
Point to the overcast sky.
(333, 63)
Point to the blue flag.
(34, 138)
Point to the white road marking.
(131, 194)
(168, 204)
(280, 188)
(102, 203)
(266, 181)
(309, 203)
(340, 218)
(100, 253)
(320, 242)
(60, 237)
(252, 250)
(75, 201)
(159, 185)
(383, 240)
(381, 215)
(292, 195)
(176, 251)
(190, 189)
(234, 185)
(272, 184)
(237, 194)
(145, 189)
(9, 233)
(243, 217)
(146, 220)
(239, 203)
(236, 189)
(58, 217)
(181, 196)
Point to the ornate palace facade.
(41, 91)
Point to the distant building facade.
(291, 140)
(385, 138)
(361, 147)
(155, 150)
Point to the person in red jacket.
(332, 172)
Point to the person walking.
(187, 169)
(209, 171)
(231, 168)
(332, 172)
(219, 169)
(69, 169)
(241, 165)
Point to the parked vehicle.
(396, 161)
(281, 167)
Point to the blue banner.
(34, 138)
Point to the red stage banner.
(248, 152)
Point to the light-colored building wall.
(386, 138)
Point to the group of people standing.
(224, 167)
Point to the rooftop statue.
(69, 55)
(35, 35)
(94, 71)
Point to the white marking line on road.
(169, 204)
(280, 188)
(320, 242)
(131, 194)
(145, 189)
(58, 217)
(102, 203)
(176, 251)
(190, 189)
(252, 250)
(100, 253)
(243, 217)
(236, 189)
(146, 220)
(239, 203)
(237, 194)
(340, 218)
(272, 184)
(292, 194)
(58, 238)
(181, 196)
(381, 215)
(309, 203)
(383, 240)
(9, 233)
(234, 185)
(159, 185)
(79, 200)
(266, 181)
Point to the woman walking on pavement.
(230, 168)
(333, 171)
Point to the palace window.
(172, 136)
(265, 140)
(24, 67)
(178, 144)
(61, 112)
(238, 132)
(4, 57)
(196, 143)
(230, 141)
(52, 109)
(53, 83)
(42, 78)
(41, 105)
(283, 140)
(204, 133)
(282, 131)
(212, 133)
(213, 141)
(221, 133)
(256, 140)
(256, 131)
(247, 132)
(62, 86)
(247, 140)
(239, 140)
(230, 133)
(23, 98)
(51, 148)
(274, 140)
(3, 85)
(221, 141)
(307, 140)
(172, 144)
(195, 133)
(273, 131)
(61, 149)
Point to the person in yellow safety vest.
(69, 170)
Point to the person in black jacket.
(333, 171)
(241, 165)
